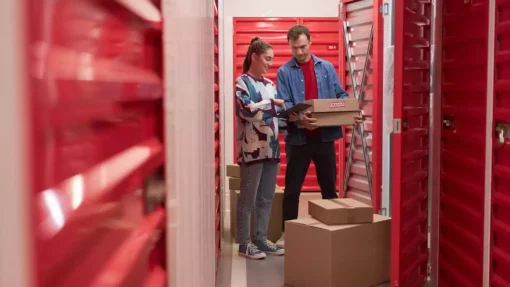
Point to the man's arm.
(339, 91)
(283, 90)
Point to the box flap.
(350, 202)
(305, 221)
(381, 218)
(330, 204)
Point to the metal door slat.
(500, 240)
(410, 145)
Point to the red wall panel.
(360, 16)
(95, 92)
(461, 211)
(217, 137)
(325, 44)
(500, 227)
(410, 144)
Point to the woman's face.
(262, 62)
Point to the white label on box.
(337, 105)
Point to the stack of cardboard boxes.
(274, 231)
(342, 244)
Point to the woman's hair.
(258, 47)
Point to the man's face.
(300, 48)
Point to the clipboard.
(298, 108)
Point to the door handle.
(448, 122)
(502, 133)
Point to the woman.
(258, 149)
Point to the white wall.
(261, 8)
(189, 127)
(15, 260)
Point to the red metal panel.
(360, 16)
(325, 37)
(500, 221)
(217, 137)
(410, 143)
(462, 179)
(95, 91)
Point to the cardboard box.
(234, 170)
(340, 211)
(234, 183)
(274, 230)
(334, 112)
(354, 255)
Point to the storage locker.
(96, 148)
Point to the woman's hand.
(280, 103)
(294, 117)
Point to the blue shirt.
(291, 88)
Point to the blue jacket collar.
(316, 61)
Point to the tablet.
(298, 108)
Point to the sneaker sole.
(259, 257)
(277, 253)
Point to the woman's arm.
(250, 111)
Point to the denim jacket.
(291, 88)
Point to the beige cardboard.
(333, 105)
(334, 112)
(340, 211)
(353, 255)
(274, 230)
(335, 119)
(234, 183)
(234, 170)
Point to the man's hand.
(358, 120)
(294, 117)
(280, 103)
(308, 122)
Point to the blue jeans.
(258, 182)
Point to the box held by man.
(334, 112)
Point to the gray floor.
(235, 271)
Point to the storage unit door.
(463, 110)
(359, 17)
(500, 221)
(410, 143)
(95, 93)
(274, 30)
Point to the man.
(307, 77)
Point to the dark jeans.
(323, 155)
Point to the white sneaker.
(281, 242)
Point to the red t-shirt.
(311, 91)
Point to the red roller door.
(217, 137)
(95, 92)
(410, 144)
(325, 38)
(359, 16)
(462, 191)
(500, 229)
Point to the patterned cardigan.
(258, 126)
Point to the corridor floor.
(235, 271)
